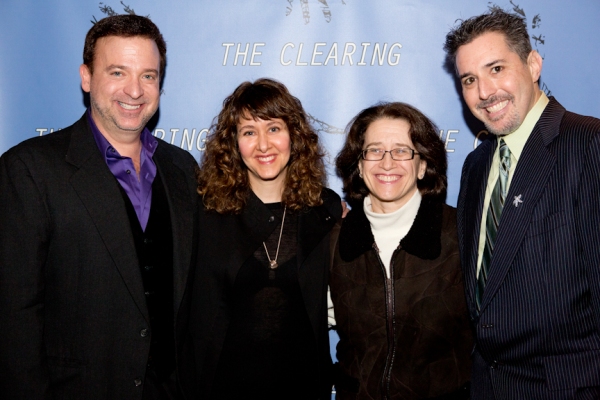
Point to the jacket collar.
(313, 224)
(536, 164)
(99, 193)
(175, 178)
(422, 240)
(253, 225)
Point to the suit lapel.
(250, 228)
(97, 188)
(175, 181)
(313, 225)
(246, 232)
(472, 212)
(531, 175)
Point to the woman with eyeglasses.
(395, 282)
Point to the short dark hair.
(126, 25)
(424, 135)
(512, 26)
(223, 177)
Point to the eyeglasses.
(399, 154)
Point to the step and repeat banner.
(336, 56)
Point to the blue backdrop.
(337, 56)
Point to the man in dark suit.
(96, 237)
(528, 222)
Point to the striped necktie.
(493, 219)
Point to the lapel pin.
(517, 200)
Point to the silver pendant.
(273, 264)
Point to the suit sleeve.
(587, 216)
(24, 242)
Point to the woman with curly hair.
(259, 310)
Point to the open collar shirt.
(137, 187)
(515, 142)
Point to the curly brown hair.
(223, 179)
(424, 135)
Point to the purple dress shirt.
(139, 190)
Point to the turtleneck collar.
(423, 239)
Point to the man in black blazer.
(96, 237)
(529, 225)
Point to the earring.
(360, 175)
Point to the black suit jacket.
(72, 303)
(538, 331)
(226, 241)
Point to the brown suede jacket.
(406, 337)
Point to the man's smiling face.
(497, 85)
(125, 85)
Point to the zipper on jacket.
(390, 323)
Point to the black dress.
(269, 349)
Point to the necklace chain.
(273, 263)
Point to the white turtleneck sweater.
(390, 229)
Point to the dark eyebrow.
(124, 68)
(272, 122)
(488, 65)
(398, 144)
(115, 66)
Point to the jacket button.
(144, 332)
(271, 218)
(137, 382)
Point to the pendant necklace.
(273, 263)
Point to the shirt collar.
(149, 142)
(517, 139)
